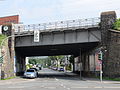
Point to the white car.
(30, 73)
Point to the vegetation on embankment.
(116, 25)
(2, 37)
(9, 78)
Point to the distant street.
(53, 80)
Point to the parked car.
(54, 68)
(61, 69)
(39, 66)
(36, 69)
(30, 73)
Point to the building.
(9, 19)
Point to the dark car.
(35, 69)
(61, 69)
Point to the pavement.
(52, 80)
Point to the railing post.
(55, 25)
(79, 22)
(44, 26)
(67, 24)
(33, 26)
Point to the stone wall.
(7, 69)
(113, 61)
(109, 46)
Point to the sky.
(42, 11)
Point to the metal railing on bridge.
(60, 25)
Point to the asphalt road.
(54, 80)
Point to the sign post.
(101, 72)
(80, 69)
(100, 58)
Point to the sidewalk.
(98, 80)
(70, 73)
(14, 81)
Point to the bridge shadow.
(60, 76)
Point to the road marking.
(79, 87)
(56, 79)
(111, 87)
(62, 85)
(98, 87)
(68, 88)
(17, 87)
(95, 87)
(50, 87)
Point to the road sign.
(36, 36)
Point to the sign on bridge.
(36, 35)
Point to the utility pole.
(101, 71)
(80, 65)
(100, 58)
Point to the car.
(30, 73)
(36, 69)
(39, 66)
(61, 69)
(54, 68)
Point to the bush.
(116, 25)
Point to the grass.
(9, 78)
(113, 79)
(107, 78)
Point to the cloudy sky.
(41, 11)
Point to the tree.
(56, 59)
(116, 25)
(32, 61)
(71, 59)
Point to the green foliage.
(113, 79)
(9, 78)
(2, 37)
(71, 59)
(32, 61)
(45, 62)
(116, 25)
(56, 57)
(68, 67)
(28, 66)
(59, 58)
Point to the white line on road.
(56, 79)
(95, 87)
(111, 87)
(50, 87)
